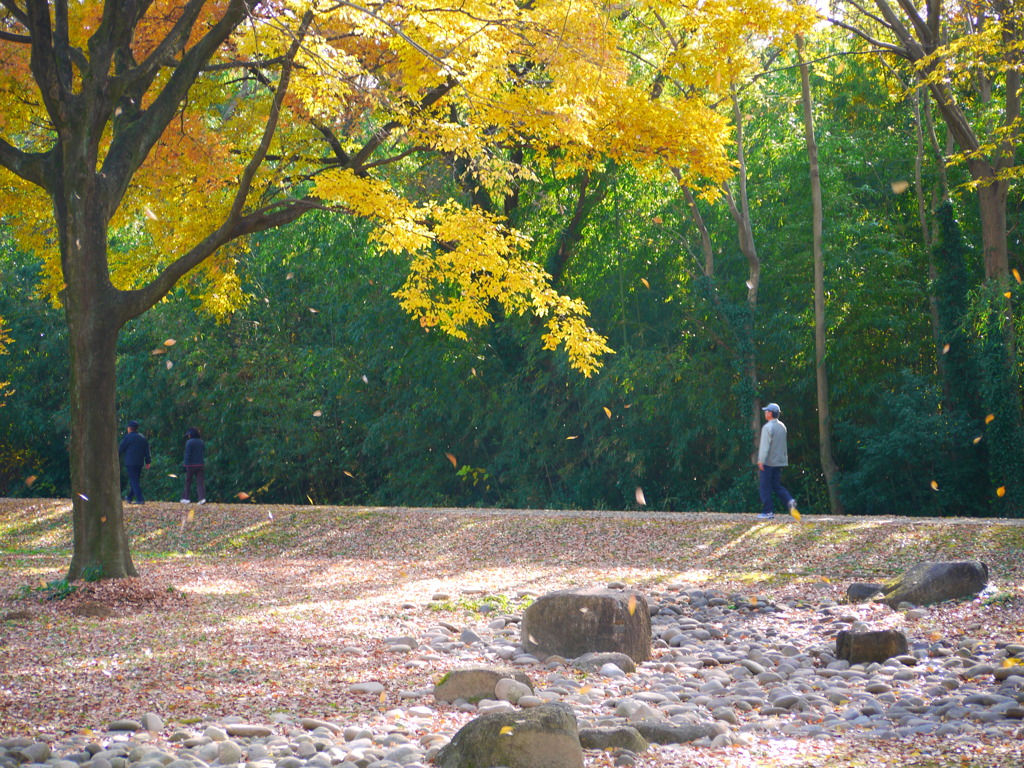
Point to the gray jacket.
(772, 452)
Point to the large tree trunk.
(828, 464)
(94, 319)
(992, 206)
(100, 539)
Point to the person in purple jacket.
(195, 459)
(134, 447)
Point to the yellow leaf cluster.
(463, 259)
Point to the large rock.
(869, 647)
(476, 683)
(592, 662)
(542, 737)
(657, 732)
(613, 737)
(861, 592)
(573, 622)
(928, 583)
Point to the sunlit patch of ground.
(251, 611)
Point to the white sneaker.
(185, 501)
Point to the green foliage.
(58, 589)
(497, 604)
(318, 390)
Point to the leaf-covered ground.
(247, 610)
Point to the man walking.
(135, 448)
(772, 456)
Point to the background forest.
(321, 390)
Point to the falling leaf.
(149, 213)
(83, 497)
(1016, 275)
(473, 370)
(170, 364)
(289, 276)
(585, 689)
(631, 605)
(171, 474)
(990, 418)
(656, 219)
(608, 412)
(572, 437)
(103, 519)
(644, 281)
(901, 186)
(242, 495)
(29, 480)
(977, 440)
(452, 459)
(314, 311)
(191, 515)
(1008, 295)
(935, 485)
(270, 515)
(750, 285)
(507, 730)
(639, 493)
(383, 697)
(1011, 662)
(318, 413)
(159, 351)
(365, 380)
(346, 472)
(1001, 491)
(795, 513)
(945, 348)
(170, 342)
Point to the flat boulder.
(542, 737)
(592, 662)
(658, 732)
(574, 622)
(861, 591)
(870, 647)
(613, 737)
(928, 583)
(476, 683)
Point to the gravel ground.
(331, 626)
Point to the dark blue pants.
(771, 483)
(134, 483)
(199, 473)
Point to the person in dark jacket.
(195, 457)
(134, 447)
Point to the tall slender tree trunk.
(740, 210)
(828, 465)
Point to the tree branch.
(13, 38)
(129, 149)
(245, 184)
(135, 302)
(30, 166)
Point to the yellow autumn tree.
(144, 140)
